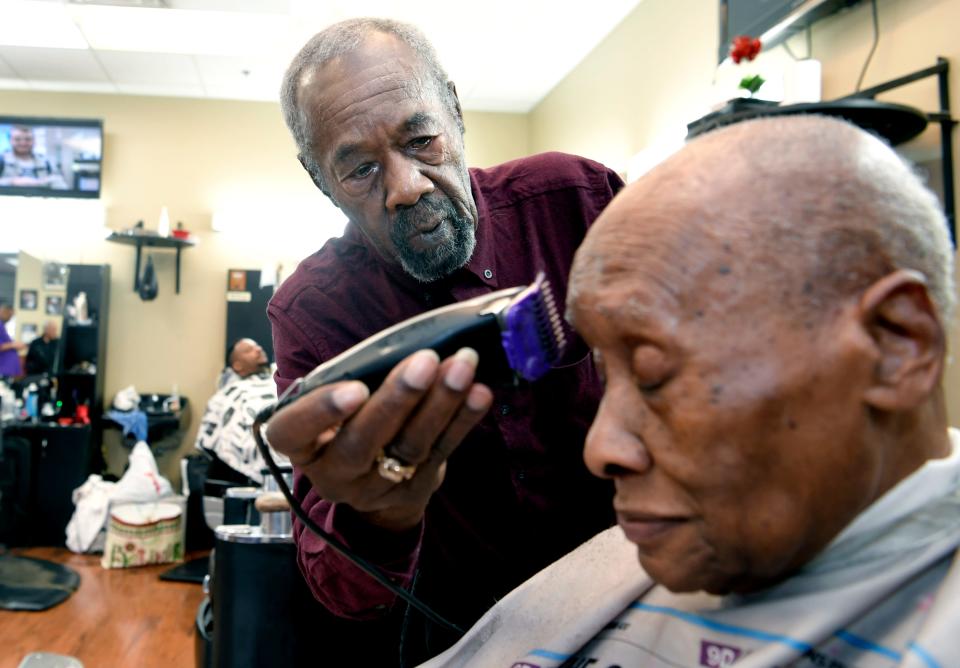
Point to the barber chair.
(260, 612)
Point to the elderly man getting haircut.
(768, 309)
(379, 128)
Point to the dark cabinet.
(57, 461)
(83, 349)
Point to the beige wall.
(196, 157)
(656, 72)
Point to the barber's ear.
(452, 87)
(902, 321)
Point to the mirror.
(39, 297)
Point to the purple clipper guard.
(532, 334)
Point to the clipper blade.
(532, 333)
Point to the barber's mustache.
(426, 207)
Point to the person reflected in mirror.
(23, 167)
(10, 363)
(43, 350)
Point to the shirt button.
(487, 273)
(505, 409)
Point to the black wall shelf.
(150, 241)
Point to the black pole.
(946, 147)
(136, 271)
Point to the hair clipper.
(517, 332)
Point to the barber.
(458, 502)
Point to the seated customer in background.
(769, 310)
(42, 352)
(245, 387)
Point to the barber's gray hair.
(337, 40)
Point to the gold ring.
(393, 470)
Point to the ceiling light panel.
(39, 24)
(179, 31)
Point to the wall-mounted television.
(50, 157)
(771, 20)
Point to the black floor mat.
(190, 571)
(34, 584)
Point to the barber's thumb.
(348, 396)
(297, 425)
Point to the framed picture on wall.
(54, 305)
(54, 276)
(28, 300)
(28, 332)
(237, 280)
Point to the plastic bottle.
(175, 399)
(31, 403)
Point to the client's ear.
(902, 321)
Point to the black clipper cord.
(361, 563)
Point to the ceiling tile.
(240, 73)
(7, 72)
(152, 69)
(73, 86)
(53, 64)
(165, 90)
(502, 54)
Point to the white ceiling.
(504, 55)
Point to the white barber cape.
(885, 593)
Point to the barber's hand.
(419, 415)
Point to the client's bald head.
(767, 308)
(810, 198)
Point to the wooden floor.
(118, 617)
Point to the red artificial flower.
(744, 47)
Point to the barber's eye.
(362, 171)
(420, 142)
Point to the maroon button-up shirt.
(516, 494)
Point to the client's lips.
(643, 529)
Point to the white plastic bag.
(142, 483)
(126, 399)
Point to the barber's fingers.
(430, 473)
(417, 439)
(303, 428)
(475, 406)
(383, 416)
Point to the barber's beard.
(454, 242)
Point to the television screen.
(50, 157)
(771, 20)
